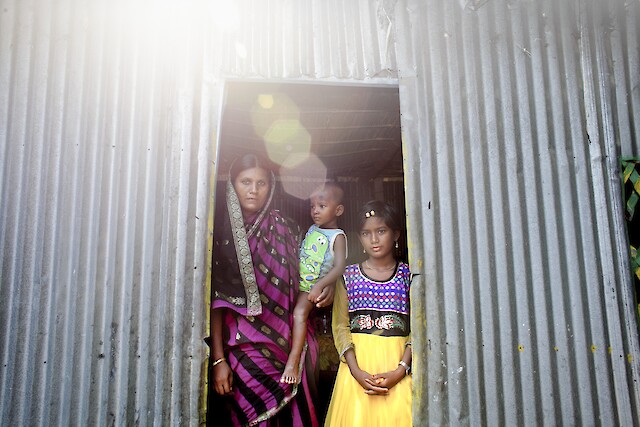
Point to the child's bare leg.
(300, 315)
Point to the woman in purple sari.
(255, 285)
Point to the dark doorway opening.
(317, 132)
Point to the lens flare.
(265, 101)
(300, 178)
(287, 142)
(269, 108)
(225, 15)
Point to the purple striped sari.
(257, 331)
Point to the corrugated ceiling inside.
(354, 130)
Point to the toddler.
(322, 260)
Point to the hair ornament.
(370, 213)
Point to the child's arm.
(322, 292)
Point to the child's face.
(324, 209)
(377, 239)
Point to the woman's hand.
(368, 382)
(389, 379)
(223, 378)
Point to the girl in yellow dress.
(371, 330)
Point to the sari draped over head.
(255, 279)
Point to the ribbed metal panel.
(108, 114)
(101, 293)
(625, 63)
(331, 39)
(513, 113)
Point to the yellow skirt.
(350, 406)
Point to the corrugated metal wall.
(513, 115)
(104, 178)
(108, 115)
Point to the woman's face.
(252, 187)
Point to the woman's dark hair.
(248, 161)
(380, 209)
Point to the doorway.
(348, 133)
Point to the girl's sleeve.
(408, 341)
(411, 276)
(340, 320)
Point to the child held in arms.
(322, 261)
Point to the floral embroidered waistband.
(390, 324)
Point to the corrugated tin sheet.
(101, 297)
(512, 118)
(513, 113)
(108, 115)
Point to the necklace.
(366, 263)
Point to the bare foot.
(290, 375)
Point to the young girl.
(371, 330)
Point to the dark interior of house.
(317, 132)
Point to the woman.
(255, 284)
